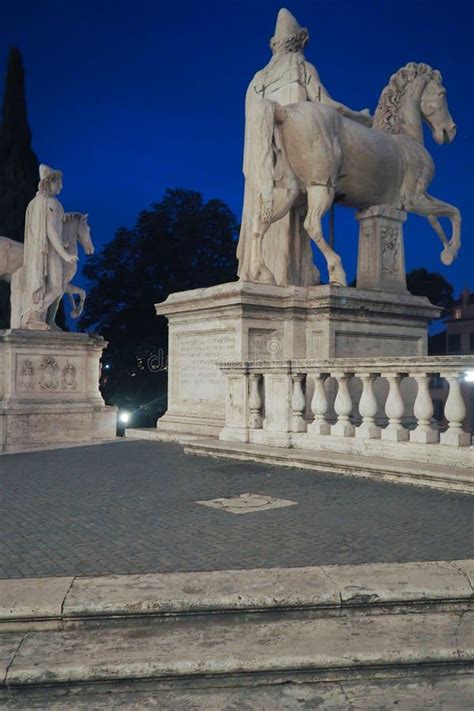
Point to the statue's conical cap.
(286, 25)
(45, 171)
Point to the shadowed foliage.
(434, 286)
(182, 242)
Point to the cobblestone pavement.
(128, 507)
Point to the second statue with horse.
(41, 271)
(304, 151)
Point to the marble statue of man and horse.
(314, 152)
(52, 275)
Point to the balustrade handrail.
(387, 364)
(283, 396)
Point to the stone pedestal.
(381, 260)
(49, 390)
(241, 321)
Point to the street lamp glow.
(124, 417)
(469, 376)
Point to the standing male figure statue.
(288, 78)
(38, 285)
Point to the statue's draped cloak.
(286, 246)
(41, 278)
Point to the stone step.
(401, 471)
(253, 651)
(407, 693)
(56, 603)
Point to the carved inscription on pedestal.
(198, 377)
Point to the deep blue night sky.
(129, 98)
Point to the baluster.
(423, 410)
(319, 406)
(255, 401)
(394, 409)
(298, 403)
(368, 408)
(343, 407)
(455, 412)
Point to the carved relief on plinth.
(381, 261)
(69, 377)
(49, 374)
(27, 375)
(390, 250)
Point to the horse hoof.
(447, 257)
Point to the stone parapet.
(49, 390)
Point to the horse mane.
(387, 116)
(73, 216)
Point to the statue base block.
(242, 321)
(49, 391)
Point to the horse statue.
(11, 258)
(75, 230)
(337, 160)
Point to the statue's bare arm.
(317, 92)
(54, 227)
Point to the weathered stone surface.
(467, 567)
(379, 583)
(192, 592)
(283, 646)
(32, 597)
(9, 644)
(324, 587)
(453, 692)
(465, 634)
(49, 390)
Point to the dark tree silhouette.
(182, 242)
(18, 165)
(421, 282)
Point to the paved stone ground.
(128, 507)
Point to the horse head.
(435, 111)
(415, 93)
(84, 235)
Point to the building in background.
(456, 339)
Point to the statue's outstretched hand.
(70, 258)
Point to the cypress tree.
(18, 165)
(18, 162)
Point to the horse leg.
(320, 198)
(76, 309)
(432, 208)
(72, 301)
(51, 315)
(283, 201)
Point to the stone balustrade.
(311, 404)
